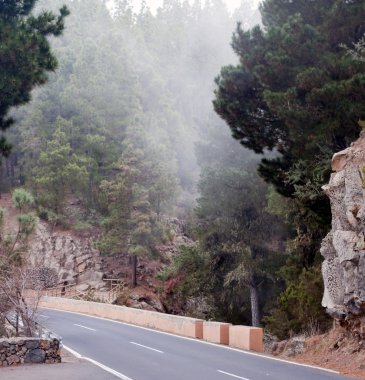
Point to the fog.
(231, 5)
(129, 67)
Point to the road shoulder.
(70, 368)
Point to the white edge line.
(84, 327)
(201, 341)
(71, 351)
(231, 374)
(150, 348)
(102, 366)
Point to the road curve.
(142, 354)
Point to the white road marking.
(263, 356)
(231, 374)
(84, 327)
(102, 366)
(44, 316)
(150, 348)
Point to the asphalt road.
(141, 354)
(71, 368)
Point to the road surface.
(134, 353)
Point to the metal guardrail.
(114, 286)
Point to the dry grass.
(336, 351)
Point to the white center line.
(44, 316)
(231, 374)
(84, 327)
(150, 348)
(249, 353)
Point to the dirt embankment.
(335, 350)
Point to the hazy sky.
(153, 4)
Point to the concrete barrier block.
(216, 332)
(243, 337)
(199, 329)
(185, 326)
(246, 338)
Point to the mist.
(181, 148)
(119, 69)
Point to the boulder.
(339, 160)
(83, 287)
(13, 359)
(35, 356)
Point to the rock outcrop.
(178, 237)
(344, 247)
(73, 257)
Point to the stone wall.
(16, 351)
(344, 247)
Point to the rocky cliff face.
(73, 257)
(344, 247)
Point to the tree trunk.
(134, 271)
(13, 160)
(17, 324)
(158, 211)
(7, 164)
(3, 331)
(255, 312)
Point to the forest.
(224, 120)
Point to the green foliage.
(27, 224)
(25, 55)
(22, 199)
(134, 199)
(278, 205)
(113, 74)
(13, 245)
(114, 130)
(301, 83)
(362, 124)
(297, 92)
(238, 238)
(298, 306)
(358, 50)
(48, 215)
(187, 278)
(189, 262)
(82, 226)
(116, 72)
(58, 172)
(2, 215)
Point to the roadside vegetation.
(135, 126)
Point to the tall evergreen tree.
(295, 89)
(241, 238)
(59, 172)
(297, 92)
(25, 54)
(134, 199)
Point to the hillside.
(335, 350)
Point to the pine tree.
(135, 198)
(25, 53)
(59, 172)
(297, 92)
